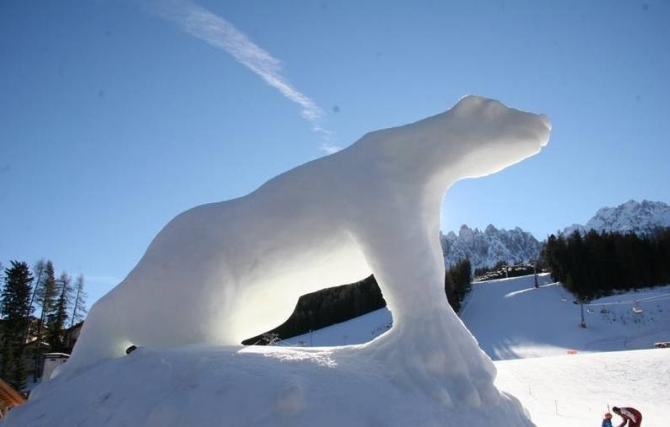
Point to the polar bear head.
(485, 136)
(475, 138)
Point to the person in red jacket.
(631, 416)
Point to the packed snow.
(521, 321)
(563, 374)
(204, 385)
(223, 272)
(576, 390)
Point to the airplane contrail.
(215, 30)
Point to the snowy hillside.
(511, 319)
(562, 373)
(570, 382)
(640, 218)
(575, 390)
(488, 247)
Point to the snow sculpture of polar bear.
(223, 272)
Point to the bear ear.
(470, 101)
(469, 104)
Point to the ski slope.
(512, 319)
(574, 390)
(562, 374)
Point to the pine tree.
(45, 297)
(15, 309)
(452, 294)
(15, 298)
(39, 271)
(39, 275)
(79, 305)
(7, 364)
(57, 318)
(458, 282)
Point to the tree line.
(597, 264)
(327, 307)
(338, 304)
(458, 283)
(36, 309)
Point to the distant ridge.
(487, 248)
(630, 217)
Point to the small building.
(51, 362)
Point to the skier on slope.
(631, 416)
(607, 420)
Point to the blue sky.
(117, 115)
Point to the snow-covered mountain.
(630, 217)
(488, 247)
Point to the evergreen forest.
(36, 309)
(598, 264)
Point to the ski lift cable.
(631, 301)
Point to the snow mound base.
(255, 386)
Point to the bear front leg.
(428, 347)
